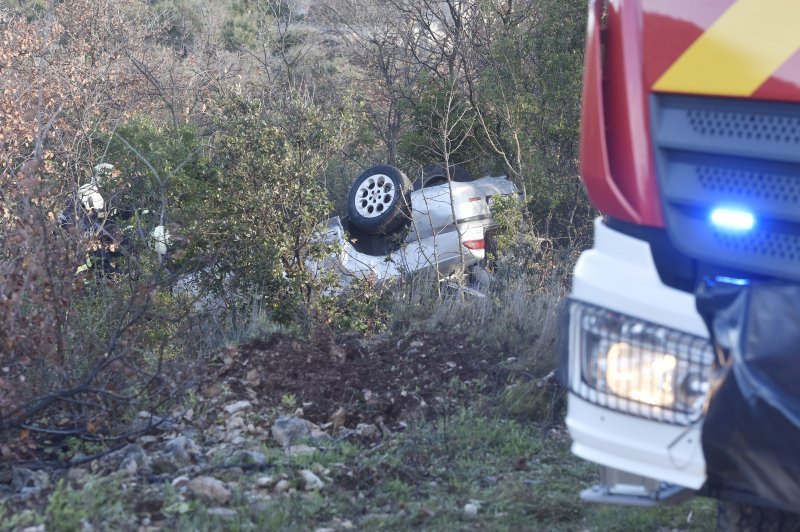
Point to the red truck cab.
(682, 351)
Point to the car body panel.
(442, 218)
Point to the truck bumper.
(618, 273)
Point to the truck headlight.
(633, 366)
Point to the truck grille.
(721, 151)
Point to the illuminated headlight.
(637, 367)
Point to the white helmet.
(90, 197)
(160, 239)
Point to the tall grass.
(515, 324)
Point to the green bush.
(265, 204)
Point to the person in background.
(88, 213)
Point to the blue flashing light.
(733, 219)
(732, 280)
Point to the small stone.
(235, 422)
(231, 474)
(78, 458)
(324, 529)
(317, 434)
(264, 482)
(223, 513)
(300, 450)
(178, 453)
(416, 344)
(248, 458)
(148, 420)
(128, 467)
(471, 509)
(28, 481)
(253, 377)
(312, 481)
(149, 502)
(238, 406)
(78, 475)
(282, 485)
(210, 489)
(232, 435)
(288, 430)
(366, 430)
(134, 460)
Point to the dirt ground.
(382, 377)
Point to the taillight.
(475, 244)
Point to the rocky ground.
(324, 435)
(267, 397)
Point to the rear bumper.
(618, 273)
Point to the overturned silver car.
(393, 227)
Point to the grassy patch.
(517, 476)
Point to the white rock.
(264, 482)
(471, 509)
(282, 485)
(238, 406)
(210, 488)
(288, 430)
(312, 481)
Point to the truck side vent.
(712, 152)
(751, 126)
(744, 184)
(769, 245)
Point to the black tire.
(436, 174)
(737, 517)
(377, 202)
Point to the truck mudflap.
(751, 432)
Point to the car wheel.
(436, 174)
(377, 202)
(737, 517)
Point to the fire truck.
(681, 336)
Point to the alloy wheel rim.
(375, 195)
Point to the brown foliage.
(66, 81)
